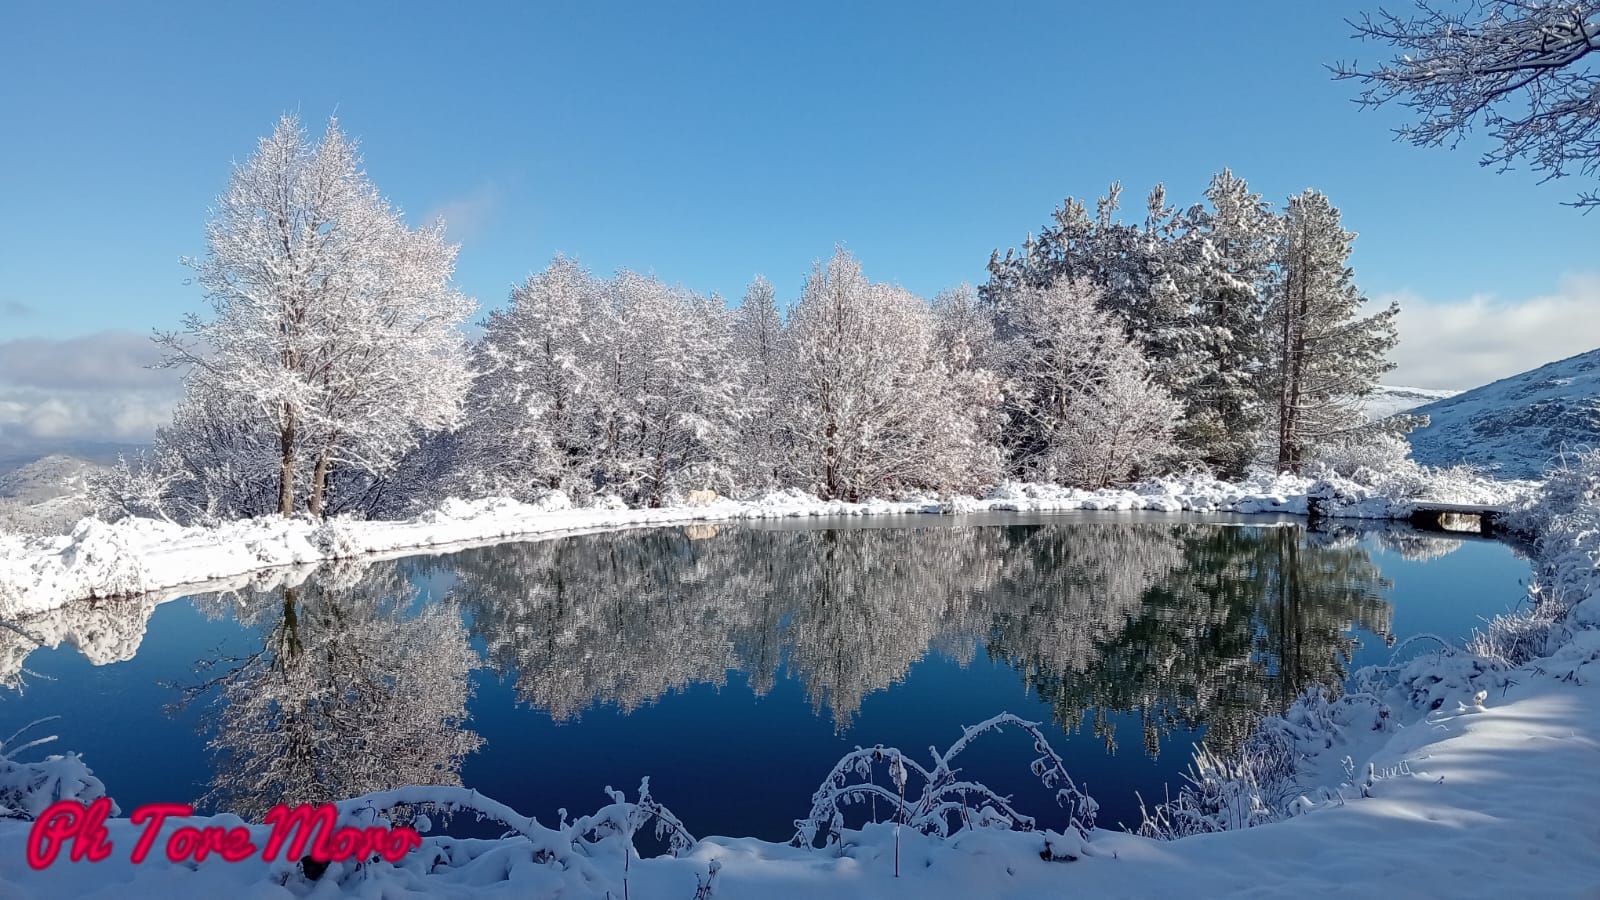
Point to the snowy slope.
(1386, 401)
(46, 495)
(1516, 426)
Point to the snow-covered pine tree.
(1324, 357)
(334, 326)
(1225, 413)
(1146, 274)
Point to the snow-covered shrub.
(1524, 634)
(1259, 783)
(1379, 459)
(594, 851)
(943, 802)
(28, 788)
(1364, 454)
(1433, 680)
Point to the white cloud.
(97, 387)
(466, 216)
(1464, 343)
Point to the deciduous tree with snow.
(1521, 71)
(758, 336)
(532, 407)
(1082, 407)
(871, 408)
(334, 325)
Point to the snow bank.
(136, 555)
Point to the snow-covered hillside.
(1516, 426)
(1385, 401)
(46, 495)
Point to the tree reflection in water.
(1186, 624)
(360, 685)
(353, 690)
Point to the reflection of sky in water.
(731, 760)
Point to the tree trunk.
(319, 485)
(286, 467)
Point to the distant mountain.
(1516, 426)
(47, 494)
(1386, 401)
(16, 452)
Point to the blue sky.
(708, 142)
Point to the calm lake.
(734, 664)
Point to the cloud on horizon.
(96, 387)
(1464, 343)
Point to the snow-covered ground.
(1464, 773)
(1517, 426)
(1386, 400)
(136, 556)
(1495, 801)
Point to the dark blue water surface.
(735, 664)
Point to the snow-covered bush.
(27, 788)
(1379, 458)
(1259, 783)
(1364, 453)
(941, 802)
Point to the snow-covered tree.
(1519, 70)
(532, 405)
(1082, 408)
(625, 386)
(1324, 357)
(334, 326)
(964, 329)
(215, 460)
(1224, 408)
(758, 341)
(869, 406)
(1145, 274)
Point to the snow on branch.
(945, 802)
(1519, 69)
(28, 788)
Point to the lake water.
(734, 664)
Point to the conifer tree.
(1324, 357)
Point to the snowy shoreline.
(135, 556)
(1467, 777)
